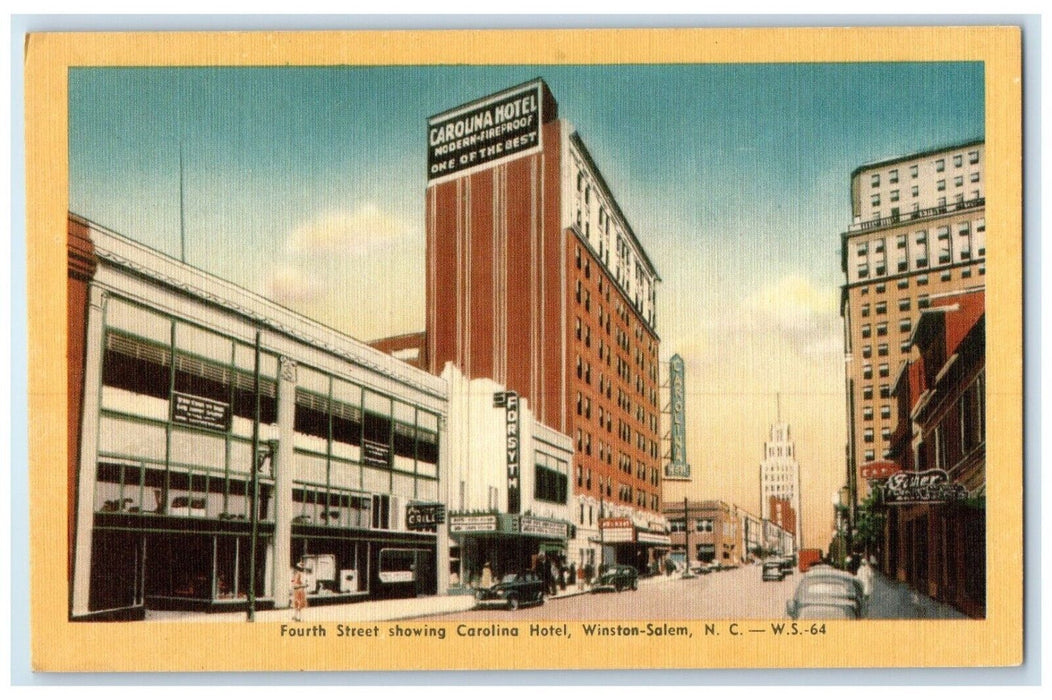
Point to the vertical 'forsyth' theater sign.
(495, 128)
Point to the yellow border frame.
(58, 645)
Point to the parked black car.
(512, 591)
(618, 578)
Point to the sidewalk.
(369, 610)
(894, 600)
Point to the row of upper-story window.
(626, 493)
(905, 283)
(959, 431)
(603, 232)
(937, 164)
(957, 183)
(964, 242)
(623, 370)
(644, 443)
(583, 293)
(165, 365)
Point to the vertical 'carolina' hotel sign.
(677, 468)
(485, 132)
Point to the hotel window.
(867, 434)
(869, 455)
(974, 177)
(893, 176)
(941, 203)
(959, 198)
(864, 291)
(958, 160)
(882, 350)
(867, 393)
(884, 369)
(958, 181)
(885, 434)
(940, 165)
(922, 280)
(882, 307)
(904, 304)
(867, 413)
(973, 157)
(881, 287)
(923, 301)
(944, 245)
(894, 197)
(946, 276)
(874, 180)
(904, 346)
(882, 329)
(874, 200)
(940, 186)
(865, 310)
(885, 391)
(867, 371)
(867, 331)
(867, 351)
(863, 270)
(966, 273)
(903, 283)
(905, 325)
(915, 191)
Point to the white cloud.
(358, 270)
(802, 315)
(363, 230)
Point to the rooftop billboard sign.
(488, 131)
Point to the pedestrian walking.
(865, 577)
(487, 576)
(580, 577)
(299, 592)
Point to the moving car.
(825, 593)
(512, 591)
(772, 570)
(618, 577)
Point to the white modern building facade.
(780, 473)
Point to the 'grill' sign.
(495, 128)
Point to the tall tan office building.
(918, 231)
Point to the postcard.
(553, 349)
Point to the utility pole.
(687, 573)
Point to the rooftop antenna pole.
(182, 204)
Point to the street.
(734, 594)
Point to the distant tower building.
(780, 474)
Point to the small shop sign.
(200, 412)
(424, 516)
(931, 486)
(617, 530)
(540, 526)
(473, 523)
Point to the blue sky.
(307, 185)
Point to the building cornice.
(114, 249)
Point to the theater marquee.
(499, 127)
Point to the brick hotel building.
(918, 231)
(536, 279)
